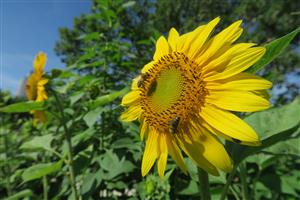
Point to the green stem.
(243, 175)
(70, 148)
(228, 182)
(255, 181)
(45, 187)
(45, 181)
(203, 184)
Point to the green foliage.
(274, 49)
(23, 107)
(39, 170)
(106, 49)
(271, 128)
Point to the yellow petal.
(132, 113)
(220, 62)
(150, 153)
(241, 101)
(162, 48)
(39, 62)
(241, 81)
(214, 150)
(131, 97)
(239, 63)
(134, 83)
(31, 87)
(144, 129)
(228, 124)
(175, 153)
(173, 38)
(163, 151)
(218, 133)
(262, 93)
(42, 82)
(202, 37)
(195, 152)
(186, 40)
(225, 37)
(147, 67)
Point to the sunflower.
(185, 95)
(35, 86)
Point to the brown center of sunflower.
(171, 92)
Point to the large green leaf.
(40, 170)
(105, 99)
(273, 126)
(24, 107)
(275, 120)
(39, 142)
(274, 49)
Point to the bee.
(143, 78)
(152, 88)
(174, 125)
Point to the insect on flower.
(143, 78)
(185, 96)
(174, 124)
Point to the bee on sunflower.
(35, 86)
(185, 95)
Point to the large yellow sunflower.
(184, 97)
(35, 86)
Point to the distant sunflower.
(35, 86)
(183, 97)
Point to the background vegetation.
(103, 51)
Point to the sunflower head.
(35, 85)
(185, 95)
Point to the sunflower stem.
(70, 148)
(203, 184)
(228, 182)
(243, 176)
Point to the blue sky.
(30, 26)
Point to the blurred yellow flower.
(184, 96)
(35, 86)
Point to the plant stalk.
(228, 182)
(70, 148)
(45, 187)
(203, 184)
(243, 176)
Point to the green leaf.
(113, 166)
(275, 120)
(273, 50)
(91, 117)
(39, 142)
(24, 107)
(75, 97)
(91, 181)
(21, 194)
(105, 99)
(128, 4)
(84, 136)
(191, 189)
(39, 170)
(273, 126)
